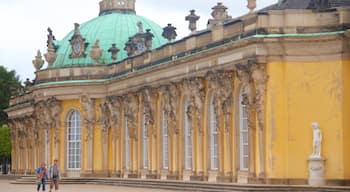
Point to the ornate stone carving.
(114, 51)
(88, 105)
(169, 33)
(55, 109)
(51, 55)
(114, 105)
(194, 89)
(219, 14)
(243, 73)
(149, 98)
(170, 102)
(192, 18)
(251, 5)
(148, 39)
(38, 62)
(131, 104)
(77, 43)
(260, 78)
(96, 52)
(140, 42)
(104, 119)
(221, 84)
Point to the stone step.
(185, 186)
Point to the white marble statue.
(317, 141)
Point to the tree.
(5, 142)
(5, 148)
(9, 81)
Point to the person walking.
(54, 175)
(41, 175)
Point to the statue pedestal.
(316, 171)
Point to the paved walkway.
(5, 186)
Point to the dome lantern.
(121, 6)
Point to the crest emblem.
(77, 43)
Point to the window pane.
(74, 140)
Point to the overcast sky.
(23, 23)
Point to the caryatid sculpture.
(317, 141)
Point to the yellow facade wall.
(300, 93)
(276, 118)
(346, 118)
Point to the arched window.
(213, 136)
(165, 139)
(127, 146)
(243, 132)
(74, 140)
(188, 137)
(145, 140)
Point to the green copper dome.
(114, 27)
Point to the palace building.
(235, 102)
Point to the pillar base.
(316, 171)
(198, 178)
(152, 176)
(173, 176)
(224, 179)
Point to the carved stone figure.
(90, 117)
(96, 52)
(244, 75)
(260, 78)
(131, 111)
(170, 101)
(192, 18)
(38, 62)
(194, 88)
(221, 84)
(149, 97)
(55, 109)
(140, 27)
(317, 141)
(114, 105)
(169, 33)
(104, 120)
(114, 51)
